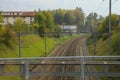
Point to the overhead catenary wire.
(114, 2)
(106, 9)
(99, 6)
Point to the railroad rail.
(25, 65)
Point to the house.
(67, 28)
(10, 17)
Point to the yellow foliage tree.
(19, 24)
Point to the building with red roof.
(10, 17)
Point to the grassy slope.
(102, 49)
(33, 47)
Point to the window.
(8, 13)
(30, 21)
(5, 13)
(15, 13)
(14, 17)
(23, 17)
(30, 18)
(11, 13)
(20, 13)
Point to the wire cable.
(114, 2)
(105, 10)
(99, 6)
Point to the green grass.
(32, 46)
(102, 49)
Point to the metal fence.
(37, 66)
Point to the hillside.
(33, 46)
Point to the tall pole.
(19, 43)
(94, 35)
(110, 27)
(45, 43)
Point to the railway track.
(73, 47)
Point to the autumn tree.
(49, 20)
(68, 18)
(79, 18)
(1, 18)
(7, 35)
(103, 27)
(58, 16)
(19, 24)
(40, 19)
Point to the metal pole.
(82, 69)
(45, 43)
(19, 43)
(94, 35)
(94, 44)
(55, 38)
(27, 70)
(110, 27)
(63, 32)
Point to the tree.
(58, 16)
(68, 18)
(104, 25)
(116, 43)
(79, 18)
(49, 20)
(1, 18)
(19, 24)
(40, 19)
(57, 31)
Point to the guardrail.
(28, 66)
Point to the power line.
(99, 6)
(113, 3)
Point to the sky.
(99, 6)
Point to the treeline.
(44, 22)
(49, 21)
(101, 26)
(92, 21)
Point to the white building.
(10, 17)
(67, 28)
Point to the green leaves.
(1, 18)
(45, 22)
(103, 27)
(116, 43)
(19, 24)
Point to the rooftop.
(19, 13)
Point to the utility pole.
(110, 27)
(94, 35)
(45, 42)
(19, 43)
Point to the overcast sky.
(88, 6)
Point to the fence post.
(26, 69)
(2, 68)
(82, 69)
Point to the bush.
(104, 25)
(7, 37)
(116, 43)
